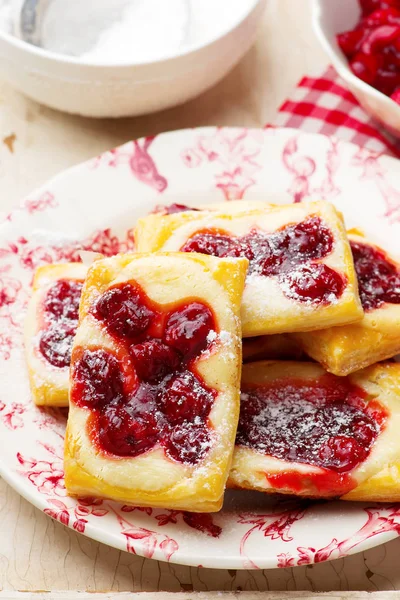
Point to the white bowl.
(71, 85)
(334, 16)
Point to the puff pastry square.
(345, 349)
(50, 326)
(155, 377)
(307, 432)
(301, 274)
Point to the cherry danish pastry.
(301, 274)
(50, 328)
(155, 377)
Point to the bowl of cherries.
(362, 38)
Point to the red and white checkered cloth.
(324, 105)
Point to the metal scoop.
(29, 21)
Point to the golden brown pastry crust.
(349, 348)
(49, 384)
(152, 479)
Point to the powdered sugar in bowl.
(127, 57)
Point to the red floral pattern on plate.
(380, 519)
(137, 156)
(235, 152)
(281, 165)
(32, 256)
(373, 170)
(42, 202)
(302, 168)
(12, 414)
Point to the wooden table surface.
(37, 553)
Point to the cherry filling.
(286, 253)
(378, 278)
(98, 380)
(124, 311)
(60, 316)
(373, 46)
(169, 403)
(187, 330)
(326, 423)
(313, 283)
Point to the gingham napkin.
(324, 105)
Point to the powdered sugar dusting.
(325, 423)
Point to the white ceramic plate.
(91, 206)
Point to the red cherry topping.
(170, 405)
(310, 238)
(341, 453)
(127, 429)
(326, 423)
(154, 360)
(212, 244)
(56, 344)
(124, 311)
(281, 252)
(186, 399)
(188, 443)
(378, 277)
(98, 379)
(315, 282)
(60, 316)
(62, 300)
(187, 329)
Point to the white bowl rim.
(340, 63)
(56, 57)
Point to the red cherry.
(187, 329)
(56, 344)
(127, 429)
(213, 245)
(378, 278)
(313, 283)
(311, 239)
(124, 311)
(350, 41)
(185, 399)
(379, 38)
(188, 442)
(153, 360)
(369, 6)
(62, 299)
(341, 453)
(396, 95)
(365, 67)
(97, 379)
(364, 431)
(387, 81)
(387, 16)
